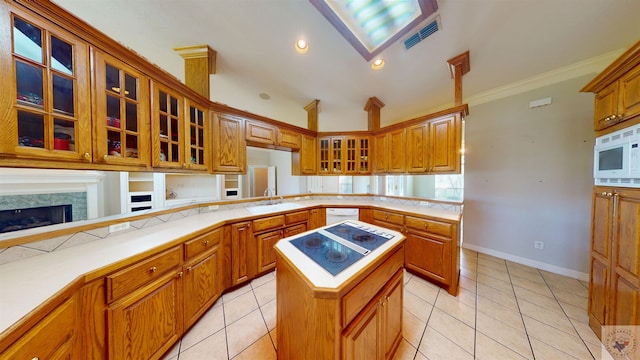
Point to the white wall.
(528, 177)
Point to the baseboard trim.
(528, 262)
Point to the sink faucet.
(269, 192)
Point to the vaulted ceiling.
(508, 40)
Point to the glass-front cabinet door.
(323, 155)
(122, 113)
(168, 126)
(46, 97)
(197, 131)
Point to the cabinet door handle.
(153, 269)
(426, 226)
(205, 243)
(189, 268)
(87, 156)
(609, 194)
(105, 157)
(180, 274)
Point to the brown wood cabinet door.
(289, 138)
(266, 254)
(148, 322)
(121, 126)
(308, 155)
(52, 338)
(381, 158)
(243, 253)
(602, 217)
(392, 315)
(167, 127)
(260, 132)
(229, 146)
(417, 137)
(202, 285)
(197, 137)
(429, 256)
(444, 145)
(630, 93)
(625, 271)
(361, 340)
(605, 105)
(396, 151)
(45, 96)
(317, 218)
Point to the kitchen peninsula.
(355, 312)
(86, 298)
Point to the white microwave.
(616, 158)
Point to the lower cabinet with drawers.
(432, 247)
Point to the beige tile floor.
(503, 311)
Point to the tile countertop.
(27, 283)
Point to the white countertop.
(25, 284)
(320, 277)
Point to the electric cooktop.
(337, 247)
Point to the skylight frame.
(426, 9)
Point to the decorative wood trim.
(199, 63)
(463, 110)
(373, 107)
(458, 66)
(627, 61)
(313, 108)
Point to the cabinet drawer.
(51, 338)
(202, 243)
(134, 276)
(295, 217)
(388, 217)
(295, 229)
(430, 226)
(356, 299)
(272, 222)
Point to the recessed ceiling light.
(264, 96)
(377, 64)
(302, 47)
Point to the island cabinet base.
(360, 319)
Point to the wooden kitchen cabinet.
(357, 151)
(377, 331)
(46, 92)
(266, 254)
(417, 149)
(617, 91)
(389, 152)
(121, 126)
(229, 146)
(317, 218)
(277, 227)
(304, 162)
(614, 282)
(54, 337)
(260, 132)
(445, 142)
(330, 155)
(168, 126)
(202, 275)
(243, 253)
(289, 138)
(197, 137)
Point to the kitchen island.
(348, 311)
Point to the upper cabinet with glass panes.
(121, 134)
(48, 96)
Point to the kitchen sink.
(263, 209)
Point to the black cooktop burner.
(358, 235)
(363, 238)
(336, 256)
(313, 242)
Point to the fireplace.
(21, 219)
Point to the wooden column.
(458, 66)
(373, 106)
(313, 108)
(199, 63)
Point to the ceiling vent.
(425, 32)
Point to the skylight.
(372, 25)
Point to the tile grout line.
(568, 318)
(524, 325)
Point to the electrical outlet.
(119, 227)
(424, 203)
(213, 207)
(538, 245)
(340, 197)
(382, 198)
(297, 198)
(307, 197)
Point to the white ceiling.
(508, 40)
